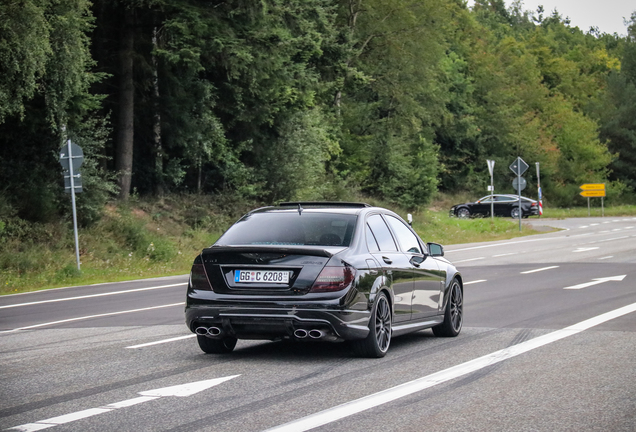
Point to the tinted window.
(382, 233)
(371, 243)
(408, 240)
(290, 228)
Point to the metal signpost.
(594, 190)
(491, 168)
(71, 158)
(519, 166)
(539, 193)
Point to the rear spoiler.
(289, 250)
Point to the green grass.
(151, 238)
(438, 227)
(133, 241)
(594, 211)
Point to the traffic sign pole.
(491, 167)
(539, 190)
(70, 168)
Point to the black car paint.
(276, 311)
(505, 209)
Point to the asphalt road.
(548, 344)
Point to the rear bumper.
(276, 320)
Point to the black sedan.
(504, 205)
(321, 272)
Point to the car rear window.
(306, 229)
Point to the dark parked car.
(504, 205)
(321, 271)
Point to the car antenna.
(300, 210)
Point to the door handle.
(387, 260)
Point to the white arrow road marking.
(359, 405)
(581, 249)
(596, 282)
(182, 390)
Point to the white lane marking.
(182, 390)
(603, 232)
(611, 239)
(584, 226)
(474, 282)
(539, 269)
(594, 224)
(350, 408)
(501, 244)
(164, 341)
(472, 259)
(617, 229)
(506, 254)
(29, 293)
(596, 282)
(91, 316)
(607, 257)
(92, 295)
(584, 249)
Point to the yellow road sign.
(593, 186)
(593, 193)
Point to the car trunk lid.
(258, 270)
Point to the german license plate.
(261, 276)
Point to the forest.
(275, 100)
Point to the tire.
(514, 213)
(216, 346)
(377, 342)
(453, 314)
(463, 213)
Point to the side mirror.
(435, 249)
(410, 219)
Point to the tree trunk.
(125, 130)
(158, 146)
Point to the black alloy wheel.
(377, 342)
(463, 212)
(454, 313)
(216, 346)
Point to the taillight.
(333, 278)
(198, 278)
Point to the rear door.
(427, 278)
(394, 263)
(482, 206)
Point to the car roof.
(317, 207)
(506, 195)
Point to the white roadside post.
(71, 158)
(491, 168)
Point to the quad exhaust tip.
(316, 334)
(313, 334)
(208, 331)
(301, 333)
